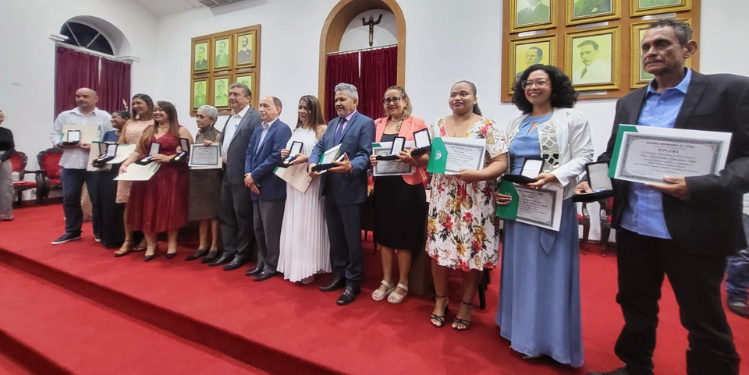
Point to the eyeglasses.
(539, 83)
(389, 101)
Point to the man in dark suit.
(244, 56)
(535, 12)
(345, 189)
(268, 190)
(200, 62)
(585, 8)
(685, 227)
(235, 207)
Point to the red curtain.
(73, 70)
(340, 68)
(114, 85)
(379, 70)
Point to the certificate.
(205, 157)
(645, 154)
(327, 159)
(295, 175)
(138, 172)
(390, 168)
(542, 208)
(450, 155)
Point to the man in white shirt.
(235, 207)
(593, 69)
(74, 160)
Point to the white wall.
(356, 35)
(446, 41)
(27, 74)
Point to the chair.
(607, 206)
(584, 220)
(18, 162)
(51, 173)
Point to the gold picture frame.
(223, 57)
(522, 48)
(658, 6)
(593, 47)
(527, 18)
(245, 56)
(591, 11)
(200, 48)
(244, 77)
(220, 85)
(638, 76)
(196, 100)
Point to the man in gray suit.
(235, 208)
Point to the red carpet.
(74, 308)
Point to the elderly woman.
(539, 298)
(400, 204)
(461, 233)
(7, 149)
(110, 213)
(205, 188)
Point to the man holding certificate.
(684, 226)
(268, 190)
(345, 189)
(76, 144)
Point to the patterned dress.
(461, 232)
(205, 184)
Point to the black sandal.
(466, 323)
(440, 319)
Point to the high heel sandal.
(128, 249)
(465, 323)
(439, 319)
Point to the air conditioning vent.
(218, 3)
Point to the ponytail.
(476, 109)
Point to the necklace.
(398, 126)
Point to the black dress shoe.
(258, 269)
(223, 259)
(148, 258)
(237, 262)
(197, 254)
(348, 295)
(170, 255)
(212, 255)
(337, 283)
(619, 371)
(263, 276)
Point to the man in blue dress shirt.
(683, 228)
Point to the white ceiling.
(166, 7)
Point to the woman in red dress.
(160, 204)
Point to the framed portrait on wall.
(527, 52)
(587, 11)
(201, 53)
(639, 77)
(222, 53)
(221, 91)
(592, 59)
(646, 7)
(248, 78)
(245, 56)
(526, 15)
(199, 93)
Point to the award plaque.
(395, 150)
(155, 149)
(600, 183)
(327, 159)
(72, 137)
(422, 141)
(532, 167)
(184, 143)
(296, 148)
(107, 152)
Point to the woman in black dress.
(399, 201)
(110, 213)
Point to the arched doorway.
(335, 25)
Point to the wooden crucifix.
(371, 24)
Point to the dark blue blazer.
(261, 163)
(356, 142)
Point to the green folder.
(510, 211)
(618, 146)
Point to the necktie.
(584, 71)
(339, 130)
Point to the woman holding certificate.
(304, 249)
(141, 117)
(539, 298)
(400, 204)
(461, 233)
(205, 188)
(110, 213)
(160, 203)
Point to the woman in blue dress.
(539, 297)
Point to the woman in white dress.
(305, 248)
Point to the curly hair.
(563, 95)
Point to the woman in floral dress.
(461, 233)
